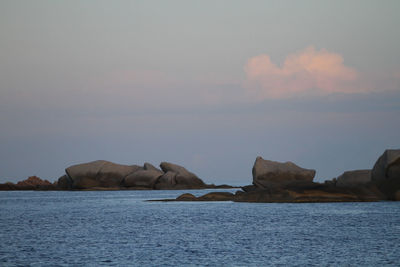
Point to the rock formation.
(354, 178)
(268, 174)
(32, 183)
(386, 173)
(286, 182)
(102, 174)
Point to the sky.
(209, 85)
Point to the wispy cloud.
(308, 72)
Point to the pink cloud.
(308, 72)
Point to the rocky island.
(106, 175)
(272, 181)
(286, 182)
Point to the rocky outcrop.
(315, 193)
(354, 178)
(268, 174)
(292, 194)
(32, 183)
(98, 173)
(275, 182)
(101, 175)
(386, 173)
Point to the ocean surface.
(119, 228)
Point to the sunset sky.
(209, 85)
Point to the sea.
(122, 228)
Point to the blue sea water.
(119, 228)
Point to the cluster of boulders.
(102, 174)
(32, 183)
(385, 176)
(286, 182)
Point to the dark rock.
(213, 196)
(386, 173)
(331, 182)
(64, 183)
(186, 197)
(267, 174)
(216, 196)
(354, 178)
(250, 188)
(318, 194)
(7, 186)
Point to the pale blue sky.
(136, 81)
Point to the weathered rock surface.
(177, 177)
(98, 173)
(166, 181)
(354, 178)
(386, 173)
(267, 173)
(143, 178)
(103, 175)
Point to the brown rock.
(386, 173)
(147, 166)
(216, 196)
(177, 177)
(354, 178)
(267, 174)
(166, 181)
(99, 173)
(186, 197)
(142, 178)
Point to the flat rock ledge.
(317, 193)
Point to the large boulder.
(354, 178)
(267, 173)
(386, 173)
(99, 173)
(142, 178)
(178, 178)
